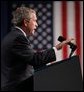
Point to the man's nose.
(36, 24)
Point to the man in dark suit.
(18, 59)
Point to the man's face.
(31, 24)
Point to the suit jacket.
(18, 59)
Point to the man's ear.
(25, 22)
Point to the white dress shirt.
(21, 30)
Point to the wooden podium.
(64, 75)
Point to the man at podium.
(18, 59)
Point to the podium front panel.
(61, 76)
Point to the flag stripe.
(77, 27)
(64, 26)
(81, 28)
(79, 37)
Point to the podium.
(64, 75)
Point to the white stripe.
(57, 27)
(70, 22)
(81, 21)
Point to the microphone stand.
(73, 48)
(72, 51)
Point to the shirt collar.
(21, 30)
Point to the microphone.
(72, 46)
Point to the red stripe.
(64, 26)
(77, 27)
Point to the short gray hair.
(21, 13)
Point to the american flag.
(57, 18)
(68, 22)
